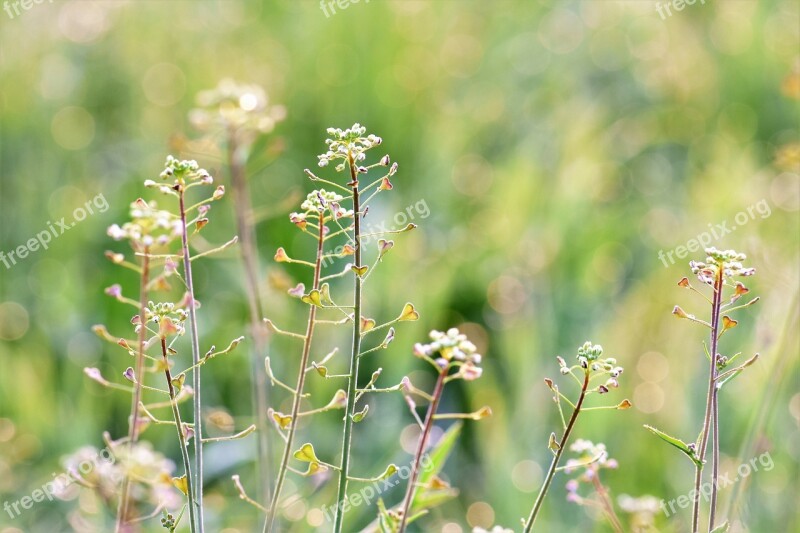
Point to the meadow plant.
(718, 272)
(453, 357)
(153, 235)
(591, 368)
(332, 216)
(235, 115)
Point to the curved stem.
(176, 414)
(197, 404)
(710, 410)
(608, 506)
(423, 443)
(133, 428)
(298, 391)
(554, 464)
(356, 349)
(258, 377)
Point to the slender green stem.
(608, 506)
(258, 377)
(298, 391)
(196, 400)
(133, 428)
(554, 464)
(710, 410)
(354, 359)
(421, 446)
(176, 414)
(784, 355)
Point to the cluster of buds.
(350, 143)
(236, 106)
(730, 261)
(454, 350)
(591, 361)
(169, 317)
(103, 470)
(149, 227)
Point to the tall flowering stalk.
(153, 234)
(453, 357)
(236, 114)
(337, 234)
(591, 368)
(718, 272)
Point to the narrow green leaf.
(722, 528)
(682, 446)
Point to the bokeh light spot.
(480, 514)
(164, 84)
(648, 397)
(13, 321)
(72, 128)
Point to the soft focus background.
(557, 146)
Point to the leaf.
(178, 381)
(436, 459)
(283, 421)
(280, 256)
(732, 373)
(358, 417)
(181, 484)
(728, 323)
(325, 294)
(384, 246)
(360, 271)
(552, 443)
(313, 298)
(409, 313)
(306, 454)
(682, 446)
(722, 528)
(314, 468)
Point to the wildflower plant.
(235, 115)
(332, 217)
(153, 235)
(595, 374)
(592, 458)
(719, 272)
(453, 356)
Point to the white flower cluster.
(591, 456)
(643, 504)
(729, 260)
(320, 200)
(237, 106)
(455, 349)
(149, 226)
(342, 144)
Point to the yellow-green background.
(559, 146)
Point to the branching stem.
(557, 457)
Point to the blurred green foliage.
(559, 146)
